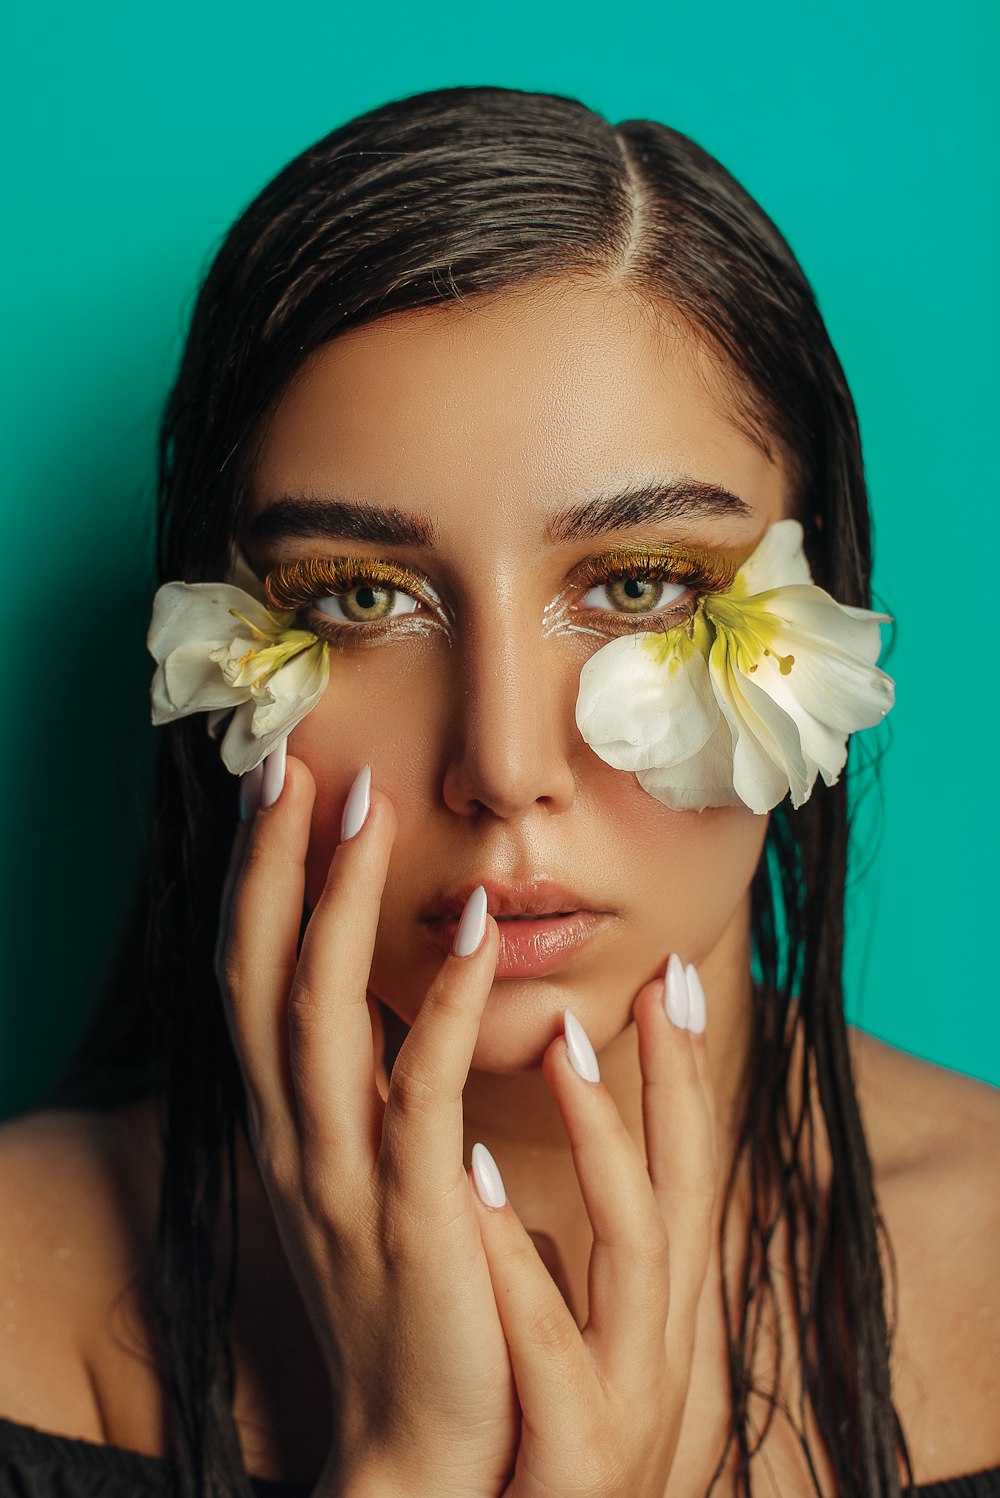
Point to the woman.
(493, 414)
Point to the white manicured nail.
(273, 777)
(675, 998)
(489, 1181)
(472, 925)
(581, 1052)
(357, 805)
(696, 993)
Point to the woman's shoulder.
(78, 1187)
(927, 1124)
(934, 1140)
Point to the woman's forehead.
(513, 408)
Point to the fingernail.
(581, 1052)
(472, 925)
(489, 1181)
(250, 791)
(273, 777)
(357, 805)
(676, 999)
(696, 1008)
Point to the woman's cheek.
(718, 851)
(379, 708)
(678, 876)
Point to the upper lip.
(524, 897)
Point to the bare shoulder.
(78, 1187)
(934, 1138)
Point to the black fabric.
(984, 1484)
(37, 1464)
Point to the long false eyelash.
(291, 585)
(707, 571)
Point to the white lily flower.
(748, 700)
(218, 647)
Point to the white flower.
(218, 647)
(750, 699)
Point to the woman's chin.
(523, 1016)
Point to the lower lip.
(530, 949)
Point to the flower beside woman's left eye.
(748, 700)
(218, 647)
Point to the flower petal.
(813, 613)
(283, 701)
(300, 681)
(239, 749)
(187, 612)
(777, 561)
(215, 720)
(645, 700)
(792, 674)
(767, 756)
(187, 681)
(704, 779)
(807, 652)
(245, 664)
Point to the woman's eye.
(635, 595)
(366, 604)
(373, 601)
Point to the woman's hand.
(427, 1303)
(601, 1409)
(366, 1182)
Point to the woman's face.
(481, 425)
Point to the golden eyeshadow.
(294, 584)
(706, 568)
(291, 585)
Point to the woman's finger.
(551, 1365)
(422, 1131)
(249, 799)
(329, 1026)
(259, 956)
(698, 1022)
(677, 1122)
(629, 1271)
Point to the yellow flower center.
(746, 629)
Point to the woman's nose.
(513, 728)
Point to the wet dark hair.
(457, 194)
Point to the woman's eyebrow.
(680, 499)
(641, 504)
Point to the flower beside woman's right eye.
(218, 647)
(747, 701)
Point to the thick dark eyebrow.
(679, 499)
(337, 519)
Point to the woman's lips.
(529, 948)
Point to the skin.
(510, 411)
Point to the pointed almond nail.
(696, 1008)
(676, 1000)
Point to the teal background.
(136, 135)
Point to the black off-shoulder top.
(39, 1464)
